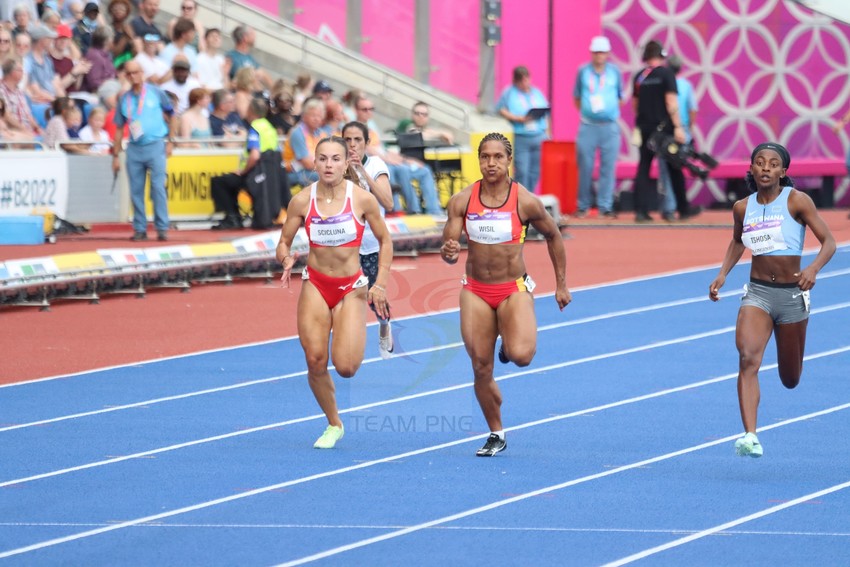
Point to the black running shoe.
(503, 358)
(494, 444)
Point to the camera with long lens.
(681, 156)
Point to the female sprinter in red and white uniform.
(496, 296)
(334, 293)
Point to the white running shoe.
(385, 344)
(748, 446)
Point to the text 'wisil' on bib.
(489, 227)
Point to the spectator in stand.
(224, 120)
(323, 90)
(43, 84)
(108, 96)
(211, 66)
(195, 122)
(23, 46)
(418, 122)
(6, 132)
(143, 24)
(93, 132)
(280, 110)
(334, 117)
(155, 69)
(85, 27)
(240, 56)
(403, 171)
(122, 38)
(72, 12)
(181, 83)
(303, 90)
(7, 10)
(349, 100)
(181, 39)
(65, 115)
(70, 73)
(149, 114)
(100, 57)
(300, 148)
(243, 87)
(189, 11)
(23, 16)
(529, 132)
(6, 45)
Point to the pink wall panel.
(455, 47)
(388, 33)
(323, 18)
(576, 24)
(525, 28)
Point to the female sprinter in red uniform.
(334, 293)
(496, 296)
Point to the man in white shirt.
(181, 83)
(210, 66)
(155, 70)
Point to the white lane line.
(518, 529)
(723, 527)
(399, 354)
(400, 399)
(519, 498)
(433, 448)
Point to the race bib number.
(764, 237)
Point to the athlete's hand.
(287, 261)
(377, 297)
(807, 279)
(714, 288)
(450, 251)
(563, 297)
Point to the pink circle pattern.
(761, 70)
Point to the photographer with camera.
(657, 110)
(687, 116)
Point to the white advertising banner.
(33, 182)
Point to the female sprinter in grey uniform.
(772, 224)
(496, 296)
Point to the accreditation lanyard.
(136, 123)
(600, 82)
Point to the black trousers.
(646, 189)
(225, 192)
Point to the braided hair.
(497, 137)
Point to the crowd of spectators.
(62, 71)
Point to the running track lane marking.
(444, 390)
(594, 318)
(317, 476)
(723, 527)
(613, 283)
(446, 346)
(577, 481)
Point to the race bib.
(764, 237)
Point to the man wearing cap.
(148, 113)
(43, 85)
(598, 94)
(181, 83)
(155, 69)
(86, 26)
(323, 90)
(68, 69)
